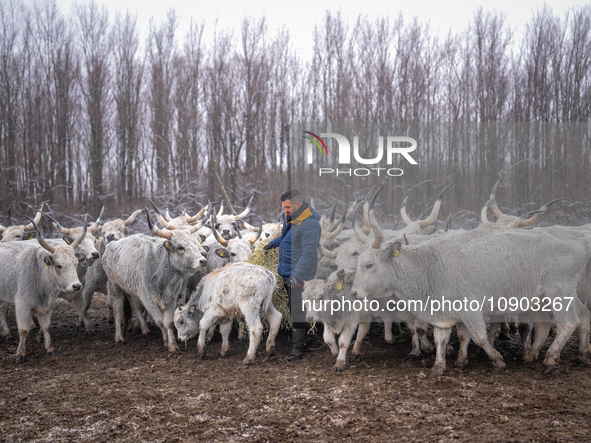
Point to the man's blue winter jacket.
(298, 244)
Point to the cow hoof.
(271, 351)
(434, 374)
(356, 357)
(390, 341)
(338, 370)
(53, 353)
(21, 359)
(549, 369)
(499, 368)
(247, 362)
(461, 366)
(412, 358)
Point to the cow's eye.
(233, 254)
(182, 322)
(355, 254)
(180, 248)
(58, 266)
(369, 266)
(217, 226)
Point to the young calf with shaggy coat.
(222, 295)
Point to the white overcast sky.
(301, 16)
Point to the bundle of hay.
(269, 259)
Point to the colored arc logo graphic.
(315, 142)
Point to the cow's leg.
(344, 343)
(477, 329)
(116, 295)
(255, 330)
(415, 353)
(330, 339)
(80, 307)
(210, 332)
(167, 321)
(25, 324)
(225, 330)
(86, 296)
(44, 323)
(361, 333)
(274, 318)
(241, 330)
(137, 308)
(3, 324)
(111, 314)
(542, 324)
(494, 331)
(524, 328)
(464, 337)
(564, 331)
(441, 337)
(388, 336)
(422, 328)
(204, 324)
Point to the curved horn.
(57, 226)
(167, 215)
(360, 234)
(40, 238)
(202, 222)
(483, 211)
(276, 232)
(220, 240)
(493, 203)
(538, 215)
(154, 229)
(81, 236)
(396, 225)
(221, 211)
(132, 217)
(98, 221)
(250, 227)
(406, 240)
(197, 216)
(311, 204)
(246, 211)
(516, 223)
(405, 218)
(328, 254)
(260, 231)
(378, 233)
(2, 228)
(159, 216)
(37, 218)
(433, 216)
(332, 214)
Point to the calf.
(223, 294)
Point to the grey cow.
(153, 271)
(32, 277)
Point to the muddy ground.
(95, 390)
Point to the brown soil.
(96, 390)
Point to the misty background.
(94, 111)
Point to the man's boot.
(297, 340)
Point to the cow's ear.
(206, 248)
(168, 246)
(222, 252)
(392, 250)
(192, 309)
(29, 235)
(48, 259)
(68, 239)
(81, 257)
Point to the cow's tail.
(127, 314)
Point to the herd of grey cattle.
(192, 274)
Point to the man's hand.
(292, 282)
(267, 247)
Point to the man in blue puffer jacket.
(298, 260)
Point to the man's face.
(289, 208)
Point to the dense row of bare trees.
(93, 113)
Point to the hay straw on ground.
(269, 259)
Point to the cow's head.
(62, 261)
(186, 254)
(186, 321)
(86, 247)
(115, 230)
(21, 232)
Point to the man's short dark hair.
(293, 195)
